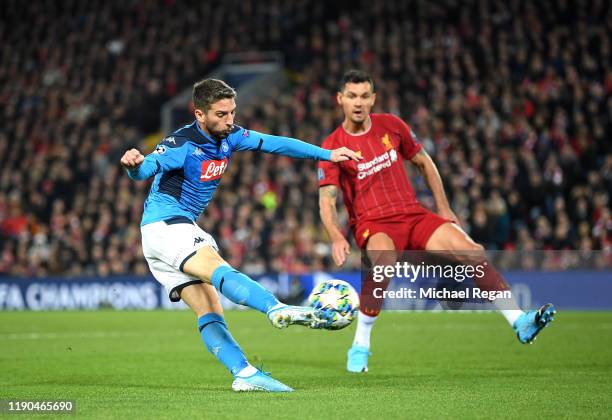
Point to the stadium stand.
(513, 99)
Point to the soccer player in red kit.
(384, 213)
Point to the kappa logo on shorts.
(212, 169)
(198, 240)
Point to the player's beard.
(219, 134)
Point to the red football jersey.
(377, 186)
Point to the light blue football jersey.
(188, 165)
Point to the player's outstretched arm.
(168, 155)
(329, 216)
(138, 167)
(428, 169)
(287, 146)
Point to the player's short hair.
(355, 76)
(208, 91)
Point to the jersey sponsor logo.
(160, 149)
(212, 169)
(377, 164)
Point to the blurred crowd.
(512, 99)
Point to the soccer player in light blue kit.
(188, 166)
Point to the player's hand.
(131, 159)
(340, 249)
(344, 153)
(450, 215)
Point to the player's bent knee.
(203, 263)
(470, 252)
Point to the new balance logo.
(198, 240)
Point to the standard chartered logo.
(377, 164)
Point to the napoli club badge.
(224, 147)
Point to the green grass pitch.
(425, 365)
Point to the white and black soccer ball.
(338, 300)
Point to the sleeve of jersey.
(165, 158)
(278, 145)
(328, 172)
(409, 146)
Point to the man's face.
(219, 119)
(356, 100)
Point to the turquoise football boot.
(358, 359)
(259, 382)
(528, 325)
(310, 317)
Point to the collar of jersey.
(205, 137)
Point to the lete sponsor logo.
(212, 169)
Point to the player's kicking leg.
(527, 325)
(208, 265)
(204, 301)
(170, 248)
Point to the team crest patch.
(224, 147)
(160, 149)
(386, 141)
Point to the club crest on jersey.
(212, 169)
(224, 147)
(386, 141)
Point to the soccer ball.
(338, 300)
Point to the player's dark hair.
(355, 76)
(208, 91)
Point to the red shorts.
(410, 230)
